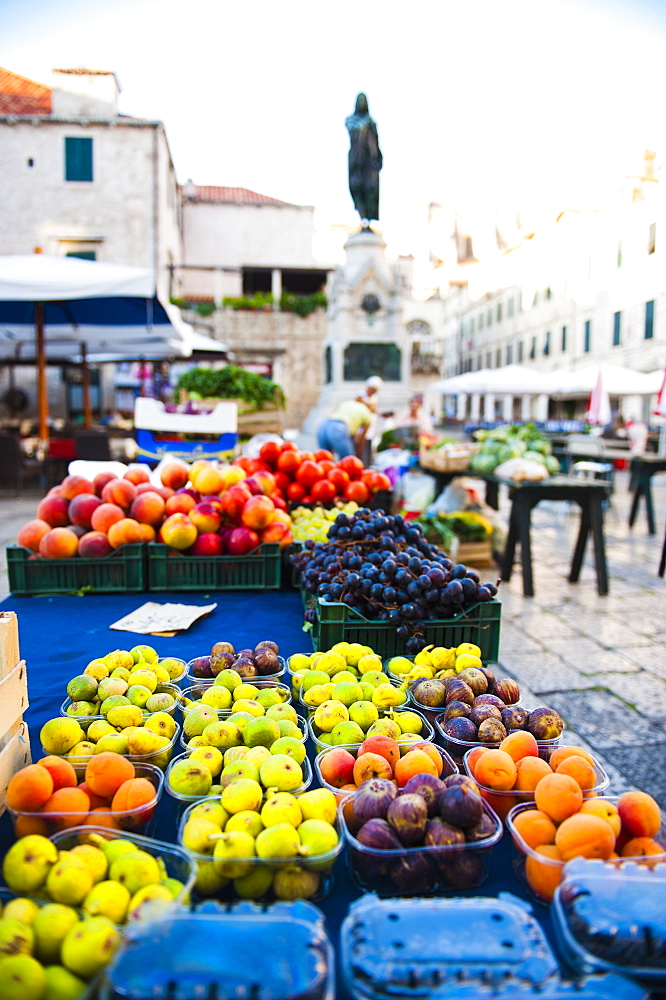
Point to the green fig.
(51, 926)
(61, 984)
(89, 946)
(107, 899)
(134, 870)
(27, 863)
(21, 978)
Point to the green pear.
(61, 984)
(21, 978)
(69, 880)
(51, 926)
(107, 899)
(27, 863)
(135, 869)
(15, 937)
(89, 946)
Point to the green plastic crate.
(121, 572)
(340, 623)
(170, 570)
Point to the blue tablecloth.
(60, 635)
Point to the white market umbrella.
(599, 408)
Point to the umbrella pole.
(87, 409)
(42, 397)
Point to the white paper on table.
(153, 618)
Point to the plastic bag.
(417, 491)
(521, 470)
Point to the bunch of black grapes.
(383, 567)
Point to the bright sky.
(481, 105)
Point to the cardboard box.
(9, 643)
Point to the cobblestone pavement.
(599, 661)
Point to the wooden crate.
(475, 553)
(13, 697)
(9, 643)
(14, 755)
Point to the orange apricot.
(414, 762)
(607, 810)
(580, 770)
(106, 772)
(29, 824)
(133, 794)
(561, 753)
(29, 789)
(584, 835)
(473, 756)
(520, 744)
(535, 828)
(642, 847)
(559, 796)
(496, 769)
(101, 816)
(499, 802)
(431, 750)
(544, 876)
(639, 813)
(70, 806)
(530, 771)
(61, 771)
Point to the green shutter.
(78, 159)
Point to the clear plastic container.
(208, 880)
(426, 735)
(195, 691)
(434, 713)
(214, 952)
(139, 820)
(186, 800)
(302, 725)
(86, 720)
(182, 671)
(503, 802)
(448, 766)
(613, 920)
(542, 874)
(311, 709)
(421, 871)
(191, 678)
(158, 758)
(177, 862)
(458, 748)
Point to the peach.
(137, 474)
(234, 500)
(148, 488)
(580, 770)
(164, 492)
(266, 480)
(62, 773)
(275, 532)
(125, 532)
(207, 480)
(231, 476)
(120, 492)
(584, 835)
(70, 805)
(179, 503)
(520, 744)
(258, 513)
(198, 465)
(371, 765)
(31, 534)
(53, 509)
(414, 762)
(205, 517)
(639, 813)
(605, 809)
(82, 508)
(174, 474)
(337, 767)
(242, 540)
(496, 769)
(148, 532)
(385, 746)
(76, 529)
(105, 515)
(535, 828)
(281, 517)
(543, 877)
(100, 481)
(29, 789)
(71, 486)
(148, 508)
(561, 753)
(529, 772)
(94, 545)
(106, 772)
(559, 796)
(59, 543)
(208, 544)
(178, 532)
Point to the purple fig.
(222, 647)
(545, 724)
(475, 679)
(490, 677)
(408, 815)
(267, 644)
(221, 661)
(441, 834)
(482, 712)
(431, 693)
(461, 729)
(464, 869)
(200, 667)
(456, 708)
(245, 667)
(373, 799)
(379, 835)
(457, 690)
(266, 661)
(491, 731)
(460, 805)
(414, 874)
(515, 718)
(428, 787)
(486, 827)
(508, 690)
(461, 779)
(489, 699)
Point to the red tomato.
(289, 462)
(244, 463)
(367, 477)
(323, 455)
(381, 482)
(254, 465)
(358, 492)
(288, 446)
(295, 491)
(323, 491)
(309, 473)
(279, 503)
(269, 452)
(307, 456)
(326, 466)
(340, 480)
(352, 465)
(282, 480)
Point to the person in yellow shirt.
(345, 428)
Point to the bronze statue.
(365, 162)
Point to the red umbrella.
(660, 405)
(598, 407)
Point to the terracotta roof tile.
(20, 96)
(232, 195)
